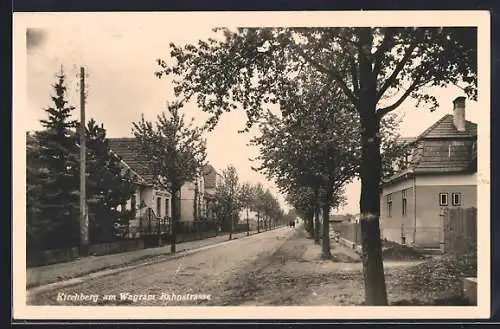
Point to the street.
(204, 272)
(281, 267)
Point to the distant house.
(338, 218)
(356, 218)
(253, 217)
(192, 196)
(212, 179)
(438, 171)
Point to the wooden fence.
(459, 230)
(349, 231)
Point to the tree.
(246, 200)
(52, 181)
(34, 190)
(175, 151)
(109, 184)
(258, 202)
(249, 67)
(228, 197)
(313, 144)
(302, 199)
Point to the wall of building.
(422, 227)
(428, 231)
(397, 226)
(450, 179)
(252, 218)
(188, 200)
(149, 195)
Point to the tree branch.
(416, 83)
(384, 47)
(397, 69)
(331, 72)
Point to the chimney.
(459, 113)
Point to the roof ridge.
(434, 125)
(120, 138)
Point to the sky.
(120, 61)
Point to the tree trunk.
(316, 224)
(370, 172)
(248, 224)
(310, 223)
(258, 222)
(231, 221)
(375, 289)
(175, 218)
(326, 254)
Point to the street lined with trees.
(172, 147)
(376, 69)
(323, 101)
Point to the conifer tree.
(53, 180)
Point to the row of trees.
(232, 197)
(173, 148)
(362, 73)
(310, 152)
(52, 174)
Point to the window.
(389, 205)
(167, 207)
(456, 199)
(158, 207)
(403, 199)
(443, 199)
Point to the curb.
(350, 244)
(104, 272)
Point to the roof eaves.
(398, 177)
(142, 180)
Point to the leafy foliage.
(252, 69)
(109, 184)
(174, 148)
(252, 66)
(227, 195)
(175, 151)
(246, 195)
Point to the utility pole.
(84, 220)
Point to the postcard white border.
(21, 21)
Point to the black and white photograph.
(310, 164)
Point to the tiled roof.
(442, 149)
(209, 174)
(443, 156)
(126, 149)
(406, 140)
(444, 128)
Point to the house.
(154, 197)
(212, 179)
(147, 195)
(438, 171)
(192, 196)
(252, 216)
